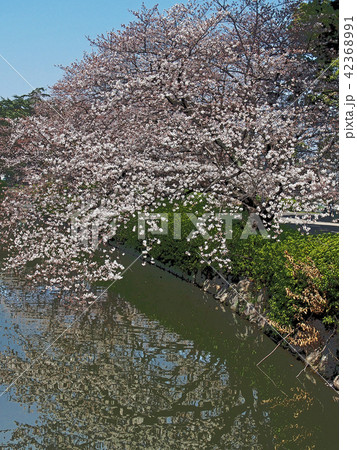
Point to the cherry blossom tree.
(209, 97)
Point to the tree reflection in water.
(117, 379)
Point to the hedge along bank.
(292, 281)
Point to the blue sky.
(37, 35)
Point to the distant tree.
(21, 105)
(315, 28)
(315, 24)
(11, 109)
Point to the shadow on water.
(154, 365)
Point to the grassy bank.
(299, 272)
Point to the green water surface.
(157, 364)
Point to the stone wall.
(251, 303)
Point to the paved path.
(323, 225)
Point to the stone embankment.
(251, 303)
